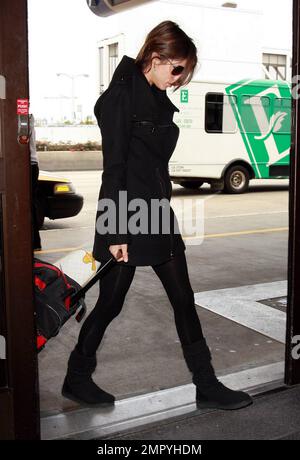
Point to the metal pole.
(73, 97)
(292, 368)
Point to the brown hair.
(169, 41)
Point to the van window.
(255, 114)
(282, 116)
(219, 116)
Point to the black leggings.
(113, 289)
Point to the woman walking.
(135, 117)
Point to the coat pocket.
(146, 126)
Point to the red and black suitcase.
(58, 297)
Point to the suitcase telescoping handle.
(99, 273)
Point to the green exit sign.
(184, 95)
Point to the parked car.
(57, 198)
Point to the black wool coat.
(138, 139)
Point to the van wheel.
(236, 180)
(191, 184)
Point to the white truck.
(231, 133)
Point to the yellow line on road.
(216, 235)
(245, 232)
(53, 251)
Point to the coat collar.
(146, 96)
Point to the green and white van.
(231, 133)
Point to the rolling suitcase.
(58, 297)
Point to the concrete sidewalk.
(136, 414)
(272, 416)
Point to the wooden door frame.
(19, 394)
(292, 361)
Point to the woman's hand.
(119, 251)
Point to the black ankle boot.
(210, 393)
(78, 384)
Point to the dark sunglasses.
(177, 69)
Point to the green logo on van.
(184, 95)
(262, 109)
